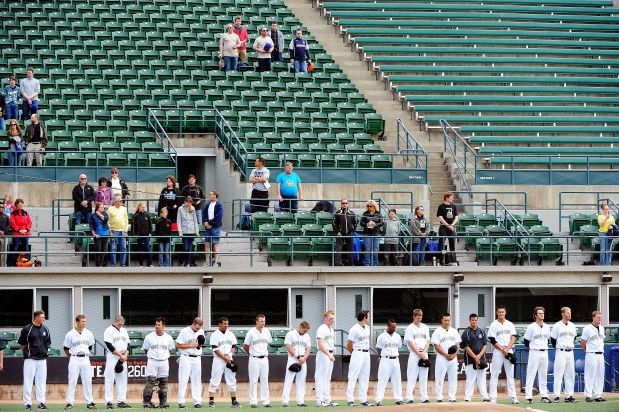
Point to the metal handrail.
(462, 153)
(471, 194)
(407, 144)
(599, 198)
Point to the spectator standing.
(213, 215)
(195, 191)
(83, 195)
(34, 340)
(36, 140)
(103, 193)
(100, 229)
(259, 178)
(393, 228)
(475, 343)
(264, 46)
(420, 226)
(188, 228)
(241, 31)
(21, 225)
(344, 226)
(30, 89)
(289, 190)
(278, 42)
(299, 52)
(372, 223)
(5, 226)
(140, 227)
(447, 214)
(119, 226)
(163, 231)
(2, 112)
(604, 222)
(170, 198)
(229, 44)
(14, 136)
(11, 93)
(117, 184)
(8, 203)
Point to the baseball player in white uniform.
(562, 337)
(536, 339)
(34, 340)
(358, 345)
(325, 342)
(298, 345)
(223, 342)
(592, 342)
(417, 339)
(78, 343)
(475, 343)
(389, 344)
(502, 336)
(189, 343)
(444, 339)
(256, 344)
(116, 340)
(157, 345)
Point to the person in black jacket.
(5, 226)
(83, 195)
(344, 225)
(163, 229)
(170, 198)
(197, 195)
(35, 340)
(372, 223)
(140, 226)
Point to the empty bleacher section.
(525, 85)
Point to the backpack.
(245, 222)
(433, 246)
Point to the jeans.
(606, 253)
(144, 249)
(276, 56)
(289, 204)
(118, 242)
(300, 66)
(230, 63)
(11, 111)
(2, 124)
(82, 216)
(101, 250)
(264, 65)
(187, 249)
(27, 110)
(420, 248)
(19, 244)
(371, 250)
(164, 253)
(391, 253)
(14, 157)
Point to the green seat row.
(549, 140)
(474, 34)
(560, 150)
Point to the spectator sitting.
(118, 185)
(299, 52)
(11, 93)
(5, 228)
(15, 143)
(104, 193)
(140, 226)
(264, 46)
(241, 31)
(21, 225)
(278, 42)
(36, 140)
(229, 44)
(30, 89)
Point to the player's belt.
(80, 356)
(330, 351)
(597, 353)
(565, 350)
(540, 350)
(389, 357)
(191, 356)
(259, 357)
(363, 350)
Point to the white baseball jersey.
(389, 344)
(564, 334)
(119, 338)
(327, 334)
(537, 336)
(298, 342)
(158, 347)
(418, 335)
(502, 332)
(187, 335)
(445, 338)
(594, 338)
(258, 341)
(78, 343)
(223, 342)
(360, 337)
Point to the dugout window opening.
(613, 304)
(242, 305)
(15, 306)
(179, 306)
(398, 303)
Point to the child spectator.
(163, 231)
(140, 226)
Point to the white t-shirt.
(389, 344)
(537, 336)
(502, 332)
(258, 341)
(228, 41)
(594, 338)
(298, 342)
(564, 334)
(259, 44)
(223, 342)
(418, 335)
(260, 172)
(327, 335)
(445, 338)
(187, 335)
(78, 343)
(211, 210)
(158, 347)
(119, 338)
(117, 189)
(360, 337)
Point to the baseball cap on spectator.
(267, 47)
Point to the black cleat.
(600, 399)
(352, 404)
(589, 399)
(28, 407)
(91, 405)
(109, 405)
(123, 405)
(268, 405)
(545, 400)
(571, 399)
(149, 405)
(529, 401)
(410, 402)
(181, 406)
(556, 399)
(68, 406)
(197, 405)
(398, 403)
(163, 406)
(42, 406)
(426, 401)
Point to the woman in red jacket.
(21, 224)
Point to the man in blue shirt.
(212, 216)
(289, 189)
(299, 52)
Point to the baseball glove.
(424, 363)
(482, 365)
(119, 366)
(452, 349)
(511, 357)
(232, 366)
(295, 367)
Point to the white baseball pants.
(449, 368)
(359, 368)
(322, 378)
(564, 371)
(258, 369)
(157, 368)
(594, 375)
(499, 361)
(217, 371)
(35, 372)
(298, 378)
(79, 366)
(537, 365)
(475, 377)
(414, 372)
(190, 368)
(111, 376)
(389, 369)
